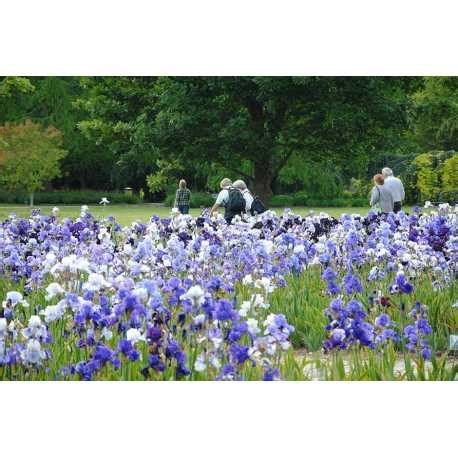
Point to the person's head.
(239, 184)
(378, 179)
(182, 184)
(225, 183)
(387, 172)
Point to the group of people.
(236, 199)
(388, 192)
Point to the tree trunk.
(263, 180)
(31, 195)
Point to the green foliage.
(427, 176)
(434, 117)
(433, 175)
(302, 200)
(116, 114)
(450, 174)
(30, 156)
(281, 201)
(166, 172)
(318, 181)
(359, 188)
(11, 85)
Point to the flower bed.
(195, 299)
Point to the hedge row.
(68, 197)
(300, 200)
(202, 199)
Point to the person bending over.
(231, 199)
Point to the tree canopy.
(30, 156)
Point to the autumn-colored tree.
(29, 156)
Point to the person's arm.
(219, 201)
(214, 208)
(176, 198)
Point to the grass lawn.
(126, 214)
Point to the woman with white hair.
(241, 185)
(395, 187)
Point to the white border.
(228, 37)
(246, 419)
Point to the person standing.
(395, 186)
(182, 198)
(381, 195)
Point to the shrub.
(83, 197)
(281, 201)
(201, 199)
(450, 197)
(450, 174)
(338, 202)
(300, 199)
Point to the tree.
(30, 156)
(11, 85)
(116, 115)
(434, 115)
(263, 122)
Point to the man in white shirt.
(240, 184)
(396, 188)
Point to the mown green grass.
(126, 214)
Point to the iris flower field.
(274, 297)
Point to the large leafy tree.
(252, 126)
(30, 156)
